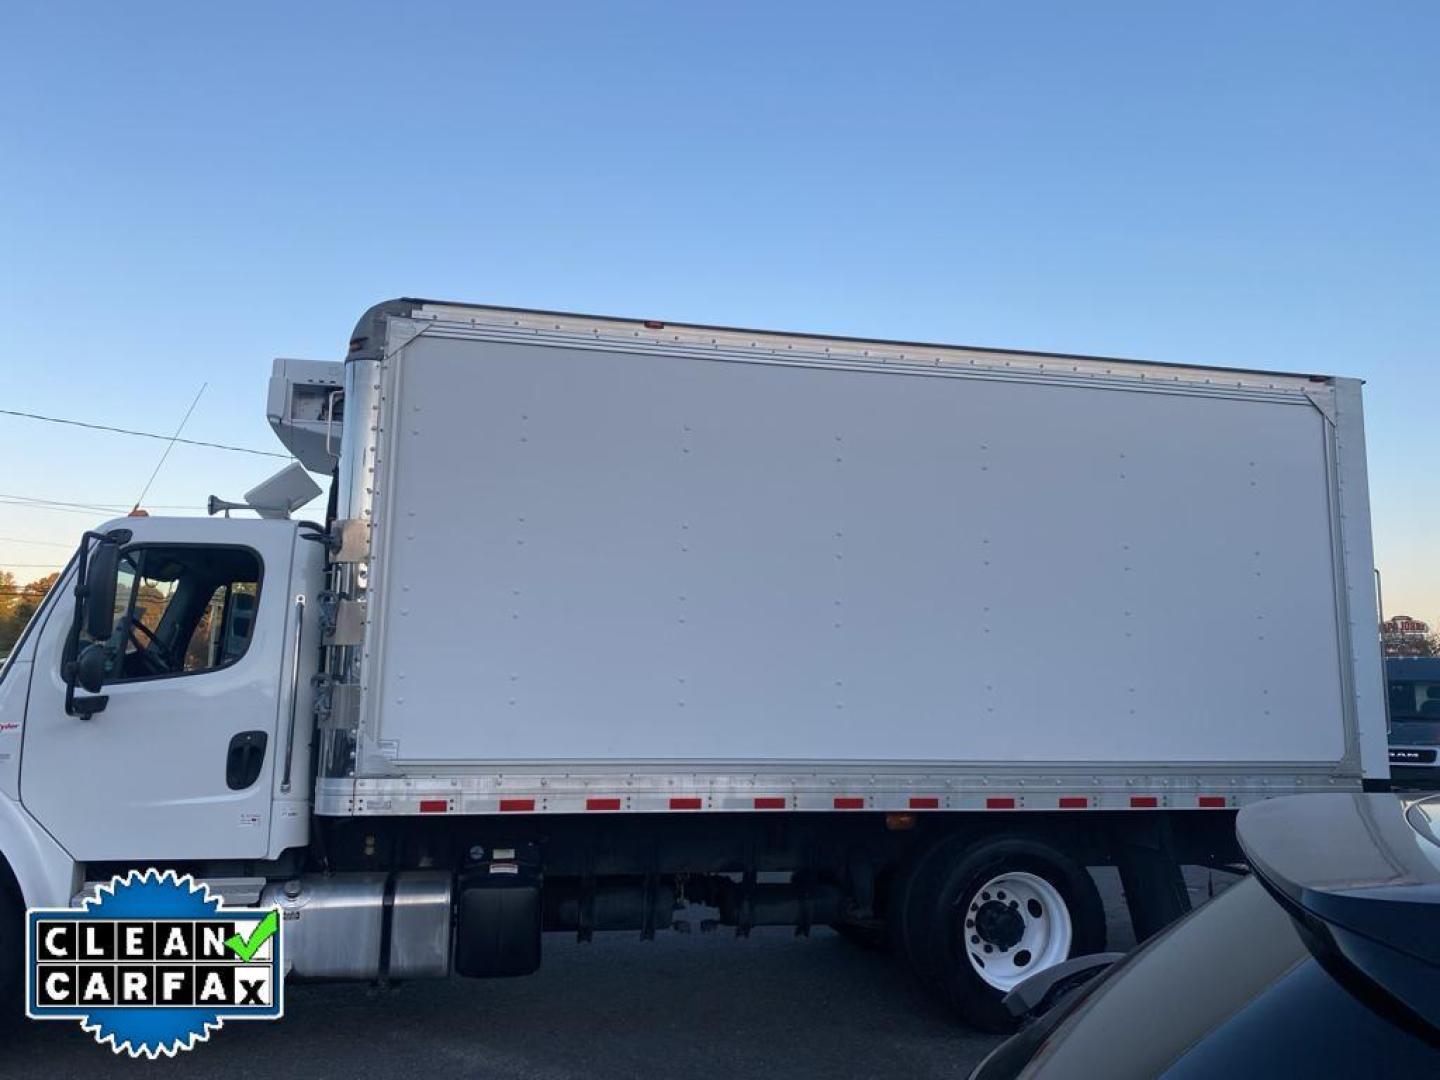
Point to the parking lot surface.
(703, 1005)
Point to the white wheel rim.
(1015, 925)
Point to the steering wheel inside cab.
(152, 656)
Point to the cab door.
(180, 762)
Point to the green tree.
(18, 605)
(1429, 645)
(9, 597)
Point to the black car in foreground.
(1324, 962)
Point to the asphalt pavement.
(701, 1006)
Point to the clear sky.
(188, 190)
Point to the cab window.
(181, 610)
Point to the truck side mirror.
(95, 607)
(99, 586)
(90, 667)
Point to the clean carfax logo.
(152, 963)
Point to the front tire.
(984, 916)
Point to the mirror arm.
(84, 707)
(1031, 993)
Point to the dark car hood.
(1363, 879)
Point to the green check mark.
(245, 948)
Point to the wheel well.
(9, 883)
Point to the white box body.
(691, 557)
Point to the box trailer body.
(606, 617)
(613, 562)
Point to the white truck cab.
(187, 755)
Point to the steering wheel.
(151, 655)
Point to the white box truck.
(610, 617)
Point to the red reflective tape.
(602, 804)
(517, 804)
(434, 806)
(684, 802)
(924, 802)
(1143, 801)
(1212, 800)
(1073, 802)
(849, 802)
(1000, 802)
(769, 802)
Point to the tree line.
(17, 604)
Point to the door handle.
(244, 759)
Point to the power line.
(42, 543)
(82, 508)
(92, 511)
(143, 434)
(95, 505)
(52, 502)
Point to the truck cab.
(193, 749)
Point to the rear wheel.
(983, 916)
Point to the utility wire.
(43, 543)
(51, 503)
(143, 434)
(60, 509)
(93, 505)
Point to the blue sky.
(189, 190)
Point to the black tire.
(12, 960)
(939, 898)
(907, 936)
